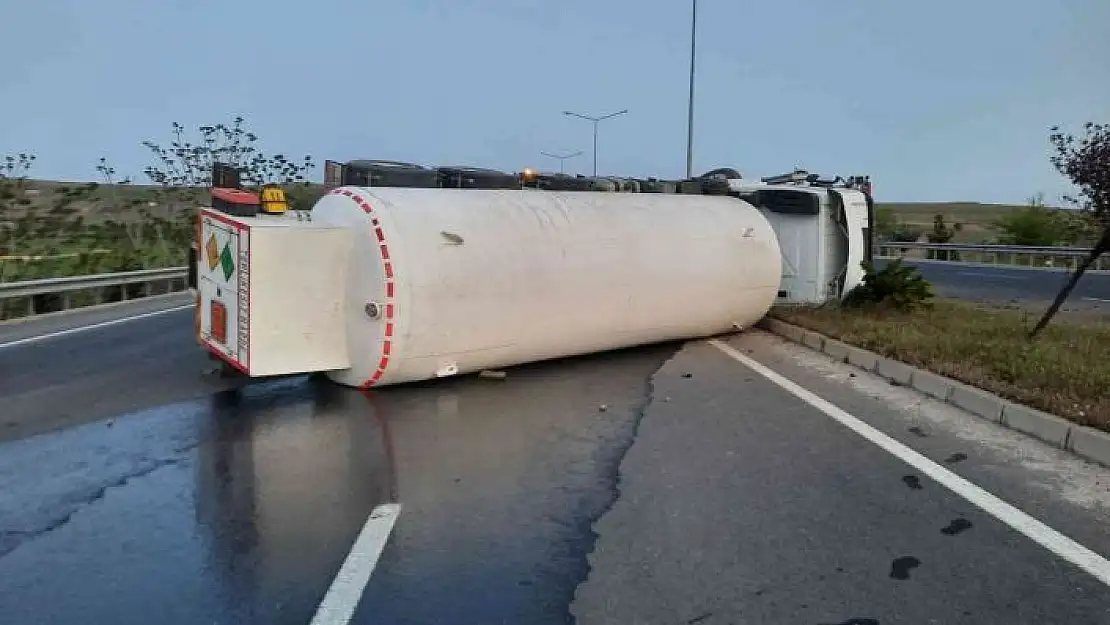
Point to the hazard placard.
(224, 287)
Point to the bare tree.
(188, 163)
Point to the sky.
(938, 101)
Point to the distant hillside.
(97, 202)
(966, 212)
(977, 219)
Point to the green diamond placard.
(227, 263)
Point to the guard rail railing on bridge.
(33, 297)
(1003, 255)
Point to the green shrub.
(897, 286)
(905, 233)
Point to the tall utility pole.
(595, 121)
(562, 157)
(690, 104)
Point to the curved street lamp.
(561, 157)
(595, 121)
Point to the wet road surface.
(102, 371)
(665, 484)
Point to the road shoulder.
(18, 331)
(740, 502)
(1056, 431)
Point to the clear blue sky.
(940, 100)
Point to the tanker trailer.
(389, 285)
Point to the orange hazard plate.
(219, 321)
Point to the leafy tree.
(897, 286)
(1086, 163)
(942, 233)
(890, 228)
(1035, 225)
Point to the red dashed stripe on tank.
(390, 287)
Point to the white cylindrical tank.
(448, 281)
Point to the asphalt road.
(666, 484)
(70, 377)
(1013, 284)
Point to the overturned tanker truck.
(403, 273)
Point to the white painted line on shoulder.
(339, 603)
(1035, 530)
(94, 326)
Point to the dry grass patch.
(1065, 371)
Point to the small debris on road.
(493, 375)
(901, 567)
(912, 481)
(955, 527)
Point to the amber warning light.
(273, 200)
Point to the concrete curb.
(1083, 441)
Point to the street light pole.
(690, 104)
(595, 121)
(562, 157)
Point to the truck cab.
(824, 230)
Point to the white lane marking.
(346, 589)
(992, 276)
(1037, 531)
(1097, 299)
(102, 324)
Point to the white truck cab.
(824, 231)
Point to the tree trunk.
(1100, 248)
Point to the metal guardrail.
(61, 293)
(1002, 255)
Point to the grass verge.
(1065, 371)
